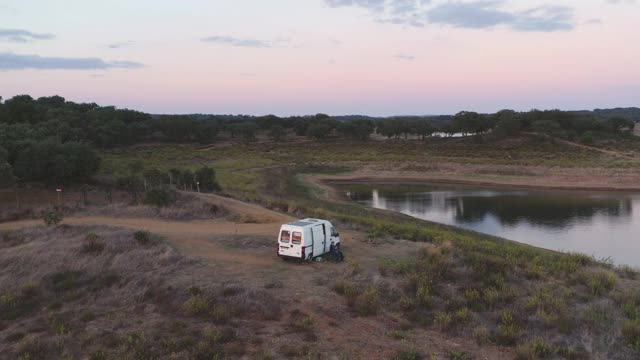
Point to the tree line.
(54, 140)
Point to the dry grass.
(187, 207)
(97, 292)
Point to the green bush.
(410, 354)
(443, 320)
(52, 218)
(631, 333)
(142, 237)
(508, 331)
(159, 197)
(481, 335)
(198, 305)
(92, 244)
(600, 283)
(368, 302)
(587, 138)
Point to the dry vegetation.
(72, 292)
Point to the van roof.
(306, 222)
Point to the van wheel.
(310, 259)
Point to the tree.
(319, 130)
(6, 171)
(587, 138)
(206, 131)
(132, 184)
(359, 129)
(154, 178)
(620, 124)
(207, 178)
(277, 133)
(187, 178)
(422, 128)
(507, 122)
(468, 122)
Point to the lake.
(596, 223)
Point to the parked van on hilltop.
(306, 239)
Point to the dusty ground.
(243, 253)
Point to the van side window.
(285, 236)
(297, 238)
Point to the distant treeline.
(53, 140)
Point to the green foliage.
(6, 170)
(198, 305)
(410, 354)
(142, 237)
(319, 130)
(92, 244)
(587, 138)
(360, 129)
(600, 283)
(52, 218)
(458, 355)
(368, 302)
(631, 333)
(481, 335)
(52, 161)
(508, 331)
(537, 348)
(277, 133)
(207, 178)
(159, 197)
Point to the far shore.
(329, 182)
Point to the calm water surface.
(602, 224)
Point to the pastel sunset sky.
(286, 57)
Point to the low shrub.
(409, 354)
(508, 331)
(536, 349)
(92, 244)
(142, 237)
(198, 305)
(159, 197)
(52, 218)
(368, 302)
(631, 333)
(399, 335)
(443, 320)
(600, 283)
(481, 335)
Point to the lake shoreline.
(330, 183)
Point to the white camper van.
(306, 239)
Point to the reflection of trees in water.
(549, 209)
(545, 210)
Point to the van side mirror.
(336, 234)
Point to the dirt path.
(587, 147)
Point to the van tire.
(310, 259)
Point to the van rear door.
(289, 242)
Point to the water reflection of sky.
(600, 224)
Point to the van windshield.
(285, 236)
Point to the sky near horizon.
(292, 57)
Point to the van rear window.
(297, 238)
(285, 236)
